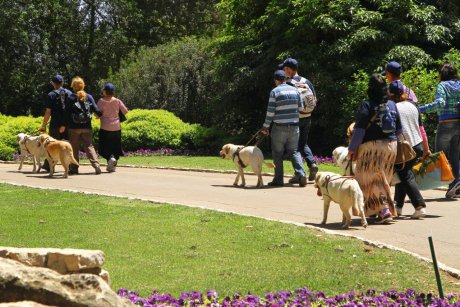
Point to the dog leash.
(236, 154)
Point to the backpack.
(306, 94)
(61, 97)
(81, 113)
(385, 118)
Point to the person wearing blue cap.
(110, 133)
(414, 133)
(283, 109)
(55, 109)
(290, 67)
(392, 73)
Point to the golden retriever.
(28, 147)
(57, 151)
(242, 157)
(344, 191)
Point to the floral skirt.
(374, 172)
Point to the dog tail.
(72, 158)
(269, 164)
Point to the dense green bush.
(144, 129)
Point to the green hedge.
(144, 129)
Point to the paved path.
(293, 204)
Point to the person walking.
(377, 149)
(447, 106)
(392, 73)
(79, 109)
(290, 67)
(55, 109)
(414, 133)
(283, 109)
(110, 133)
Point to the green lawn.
(200, 162)
(175, 248)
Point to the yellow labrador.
(344, 191)
(28, 147)
(56, 151)
(242, 157)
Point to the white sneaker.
(111, 164)
(419, 213)
(398, 211)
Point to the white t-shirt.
(410, 115)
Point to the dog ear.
(227, 149)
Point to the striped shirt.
(284, 105)
(447, 102)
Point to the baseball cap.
(280, 75)
(396, 88)
(57, 79)
(109, 87)
(393, 68)
(289, 62)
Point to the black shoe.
(302, 181)
(73, 172)
(275, 184)
(313, 170)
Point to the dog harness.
(328, 179)
(236, 154)
(25, 144)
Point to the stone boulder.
(19, 282)
(64, 261)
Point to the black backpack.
(81, 113)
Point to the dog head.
(340, 155)
(43, 139)
(21, 136)
(226, 151)
(321, 181)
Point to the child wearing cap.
(110, 133)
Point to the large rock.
(19, 282)
(64, 261)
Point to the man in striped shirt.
(283, 109)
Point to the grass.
(174, 248)
(201, 162)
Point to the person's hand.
(61, 129)
(264, 131)
(426, 154)
(351, 156)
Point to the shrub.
(144, 129)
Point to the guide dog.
(28, 147)
(57, 151)
(243, 156)
(344, 191)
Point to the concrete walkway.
(290, 203)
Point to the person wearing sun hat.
(110, 133)
(283, 109)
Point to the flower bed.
(300, 297)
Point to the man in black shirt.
(55, 109)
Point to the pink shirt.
(110, 108)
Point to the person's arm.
(123, 108)
(359, 131)
(46, 119)
(94, 108)
(270, 112)
(439, 102)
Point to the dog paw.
(323, 222)
(364, 225)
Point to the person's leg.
(87, 137)
(447, 140)
(74, 139)
(309, 158)
(293, 154)
(277, 142)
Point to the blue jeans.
(448, 140)
(285, 139)
(303, 148)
